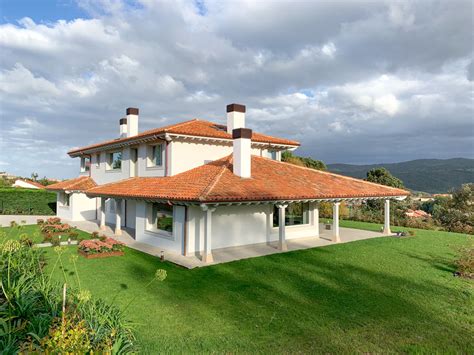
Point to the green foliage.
(382, 176)
(289, 157)
(465, 260)
(31, 317)
(429, 175)
(27, 201)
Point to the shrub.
(95, 235)
(39, 221)
(25, 240)
(98, 246)
(13, 224)
(20, 201)
(465, 261)
(32, 320)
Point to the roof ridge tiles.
(227, 160)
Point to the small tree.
(34, 176)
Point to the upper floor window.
(85, 164)
(155, 155)
(295, 214)
(114, 161)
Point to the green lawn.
(34, 233)
(381, 295)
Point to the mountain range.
(425, 175)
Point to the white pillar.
(316, 218)
(118, 217)
(282, 228)
(207, 254)
(102, 213)
(335, 222)
(386, 227)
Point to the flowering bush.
(53, 220)
(55, 228)
(97, 246)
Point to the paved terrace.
(220, 255)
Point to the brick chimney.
(132, 121)
(235, 117)
(242, 158)
(123, 127)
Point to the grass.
(21, 201)
(34, 233)
(380, 295)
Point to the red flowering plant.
(93, 246)
(55, 228)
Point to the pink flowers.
(98, 246)
(55, 227)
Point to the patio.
(225, 255)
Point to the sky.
(354, 81)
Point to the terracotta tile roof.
(198, 128)
(271, 180)
(80, 183)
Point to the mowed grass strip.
(381, 295)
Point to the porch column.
(386, 226)
(282, 228)
(335, 222)
(102, 213)
(118, 217)
(316, 218)
(207, 254)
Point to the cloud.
(350, 80)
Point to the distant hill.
(428, 175)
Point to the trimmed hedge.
(27, 201)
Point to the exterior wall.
(172, 243)
(81, 207)
(144, 169)
(101, 175)
(241, 225)
(186, 155)
(181, 155)
(62, 211)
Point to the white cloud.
(331, 74)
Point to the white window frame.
(109, 160)
(65, 199)
(308, 217)
(150, 156)
(150, 223)
(97, 160)
(85, 168)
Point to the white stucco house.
(27, 184)
(196, 186)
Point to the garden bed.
(100, 255)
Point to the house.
(28, 184)
(196, 186)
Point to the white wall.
(21, 183)
(172, 243)
(186, 155)
(241, 225)
(81, 207)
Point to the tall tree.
(384, 177)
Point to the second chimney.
(132, 121)
(242, 152)
(123, 127)
(235, 117)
